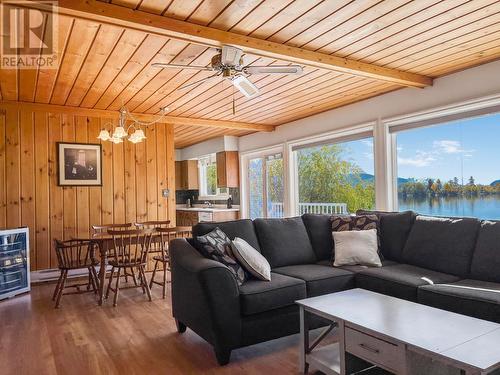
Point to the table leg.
(102, 271)
(304, 341)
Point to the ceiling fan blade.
(177, 66)
(231, 56)
(273, 69)
(246, 87)
(197, 82)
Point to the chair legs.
(56, 290)
(164, 282)
(64, 275)
(140, 282)
(92, 285)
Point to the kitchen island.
(189, 216)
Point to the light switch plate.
(165, 193)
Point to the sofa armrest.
(205, 296)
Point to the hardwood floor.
(136, 337)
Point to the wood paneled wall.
(133, 179)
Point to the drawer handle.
(369, 348)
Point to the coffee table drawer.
(388, 355)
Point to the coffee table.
(383, 330)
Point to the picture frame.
(79, 164)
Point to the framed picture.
(79, 164)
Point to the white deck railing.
(310, 208)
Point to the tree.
(471, 181)
(325, 176)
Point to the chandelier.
(122, 131)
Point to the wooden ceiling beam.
(79, 111)
(156, 24)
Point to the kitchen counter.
(208, 209)
(188, 216)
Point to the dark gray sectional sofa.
(449, 263)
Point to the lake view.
(484, 207)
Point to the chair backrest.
(74, 253)
(168, 234)
(131, 246)
(153, 224)
(96, 229)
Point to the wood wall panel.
(133, 179)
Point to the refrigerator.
(14, 262)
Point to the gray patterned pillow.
(216, 245)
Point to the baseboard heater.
(50, 275)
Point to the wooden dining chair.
(152, 224)
(74, 255)
(103, 228)
(130, 251)
(166, 235)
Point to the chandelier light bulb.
(104, 135)
(119, 132)
(116, 140)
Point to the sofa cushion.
(319, 229)
(359, 268)
(442, 244)
(238, 228)
(400, 280)
(258, 296)
(480, 299)
(486, 258)
(394, 230)
(284, 242)
(319, 279)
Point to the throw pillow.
(369, 221)
(216, 245)
(356, 248)
(340, 223)
(253, 261)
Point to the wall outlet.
(165, 193)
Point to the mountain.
(495, 183)
(366, 177)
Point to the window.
(207, 169)
(335, 177)
(266, 188)
(450, 169)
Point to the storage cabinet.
(228, 175)
(186, 175)
(14, 262)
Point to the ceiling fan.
(228, 64)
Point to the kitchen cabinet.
(228, 169)
(186, 175)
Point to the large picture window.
(451, 169)
(335, 177)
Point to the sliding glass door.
(265, 185)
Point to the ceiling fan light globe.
(245, 86)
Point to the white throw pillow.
(251, 260)
(356, 247)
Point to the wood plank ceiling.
(105, 66)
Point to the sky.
(442, 151)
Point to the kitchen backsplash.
(181, 196)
